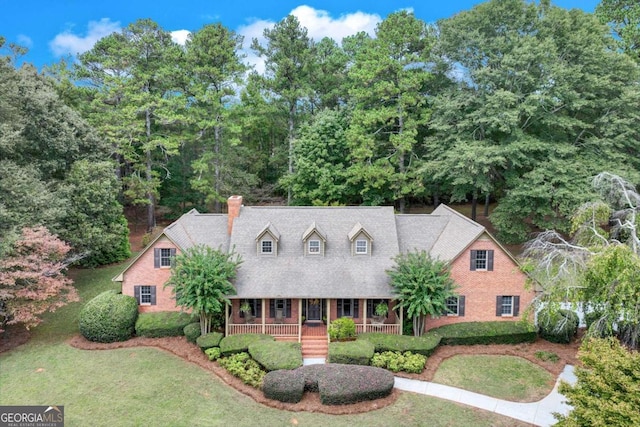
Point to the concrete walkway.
(538, 413)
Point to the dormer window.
(267, 241)
(313, 240)
(361, 240)
(314, 246)
(362, 246)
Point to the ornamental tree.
(201, 280)
(32, 279)
(422, 285)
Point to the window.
(276, 305)
(507, 305)
(163, 257)
(266, 247)
(372, 304)
(455, 306)
(314, 246)
(145, 294)
(482, 260)
(255, 305)
(361, 246)
(348, 308)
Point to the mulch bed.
(13, 336)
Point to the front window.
(145, 295)
(314, 246)
(266, 247)
(452, 306)
(165, 257)
(361, 246)
(481, 260)
(253, 305)
(507, 306)
(347, 308)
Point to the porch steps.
(314, 347)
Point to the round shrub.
(284, 385)
(342, 329)
(109, 317)
(558, 327)
(210, 340)
(192, 332)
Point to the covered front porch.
(294, 318)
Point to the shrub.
(241, 365)
(341, 329)
(240, 343)
(396, 361)
(345, 384)
(351, 353)
(109, 317)
(162, 324)
(210, 340)
(192, 332)
(284, 385)
(424, 345)
(558, 326)
(497, 332)
(213, 353)
(274, 355)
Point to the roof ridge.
(459, 215)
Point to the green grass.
(505, 377)
(146, 386)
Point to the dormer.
(267, 241)
(361, 240)
(313, 240)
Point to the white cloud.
(318, 23)
(24, 40)
(180, 36)
(70, 43)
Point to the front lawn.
(505, 377)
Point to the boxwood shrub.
(345, 384)
(192, 332)
(284, 385)
(275, 355)
(109, 317)
(213, 353)
(351, 352)
(210, 340)
(241, 365)
(496, 332)
(240, 343)
(395, 361)
(424, 345)
(162, 324)
(342, 328)
(558, 326)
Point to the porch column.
(300, 320)
(226, 319)
(264, 309)
(364, 316)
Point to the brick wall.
(143, 273)
(481, 288)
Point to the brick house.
(314, 264)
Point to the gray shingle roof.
(194, 228)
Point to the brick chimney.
(234, 203)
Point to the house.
(314, 264)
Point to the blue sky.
(54, 28)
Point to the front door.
(314, 309)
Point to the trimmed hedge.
(396, 361)
(337, 384)
(241, 365)
(274, 355)
(284, 385)
(192, 331)
(351, 352)
(210, 340)
(213, 353)
(497, 332)
(162, 324)
(424, 345)
(240, 343)
(342, 328)
(109, 317)
(559, 327)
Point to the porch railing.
(386, 328)
(275, 329)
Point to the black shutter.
(258, 308)
(340, 312)
(490, 260)
(355, 308)
(516, 305)
(499, 305)
(136, 293)
(474, 254)
(461, 305)
(287, 308)
(272, 308)
(156, 258)
(153, 295)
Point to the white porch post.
(364, 316)
(226, 319)
(328, 316)
(300, 320)
(264, 309)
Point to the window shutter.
(153, 295)
(287, 308)
(340, 313)
(259, 308)
(490, 260)
(516, 305)
(461, 305)
(473, 260)
(136, 293)
(356, 311)
(156, 258)
(173, 256)
(499, 305)
(272, 308)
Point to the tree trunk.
(217, 135)
(487, 198)
(474, 205)
(402, 169)
(292, 113)
(418, 325)
(151, 207)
